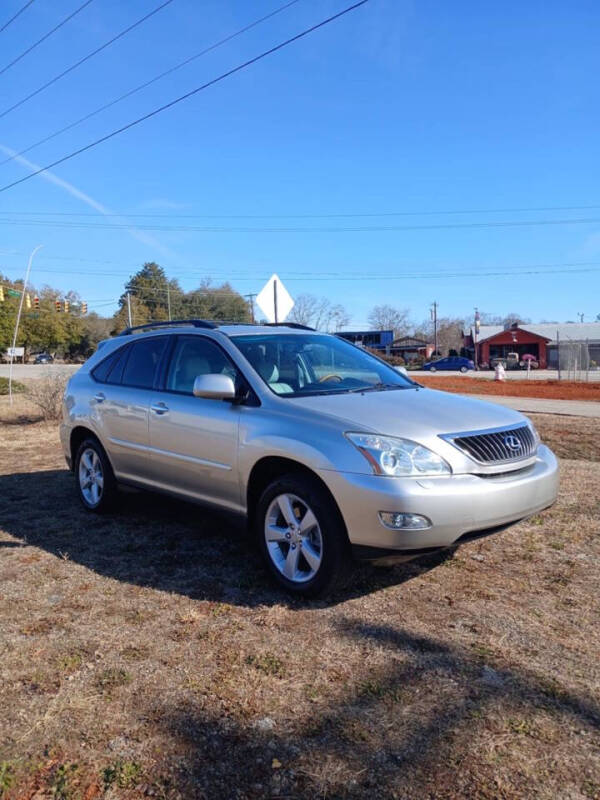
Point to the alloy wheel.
(91, 477)
(293, 538)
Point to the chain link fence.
(575, 360)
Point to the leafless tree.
(450, 334)
(386, 317)
(497, 319)
(319, 313)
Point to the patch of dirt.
(145, 654)
(554, 390)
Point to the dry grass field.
(144, 654)
(549, 390)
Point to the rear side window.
(116, 373)
(142, 364)
(103, 369)
(111, 369)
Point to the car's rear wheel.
(96, 484)
(432, 369)
(302, 536)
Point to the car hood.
(418, 414)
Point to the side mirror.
(214, 386)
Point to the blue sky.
(396, 107)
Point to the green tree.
(151, 287)
(94, 329)
(140, 314)
(216, 302)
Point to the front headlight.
(389, 455)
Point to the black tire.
(109, 492)
(463, 369)
(336, 559)
(432, 369)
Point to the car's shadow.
(156, 541)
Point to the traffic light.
(84, 308)
(28, 301)
(66, 306)
(36, 303)
(57, 305)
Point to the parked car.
(451, 362)
(329, 452)
(43, 358)
(509, 361)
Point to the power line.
(414, 275)
(45, 36)
(150, 82)
(85, 58)
(187, 95)
(14, 17)
(374, 214)
(338, 229)
(319, 274)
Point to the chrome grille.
(499, 446)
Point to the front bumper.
(457, 505)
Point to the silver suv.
(328, 451)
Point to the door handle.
(159, 408)
(100, 397)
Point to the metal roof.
(567, 331)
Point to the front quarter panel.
(313, 440)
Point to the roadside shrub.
(16, 386)
(47, 394)
(395, 361)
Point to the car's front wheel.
(96, 483)
(302, 536)
(463, 369)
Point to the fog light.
(404, 522)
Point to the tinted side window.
(143, 362)
(116, 372)
(101, 372)
(193, 356)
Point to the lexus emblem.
(512, 442)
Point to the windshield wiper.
(377, 387)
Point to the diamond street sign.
(274, 300)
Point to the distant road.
(23, 371)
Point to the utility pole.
(434, 309)
(129, 308)
(14, 344)
(275, 301)
(581, 316)
(169, 300)
(251, 301)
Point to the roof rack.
(289, 325)
(196, 323)
(205, 323)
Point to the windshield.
(297, 365)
